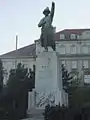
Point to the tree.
(20, 81)
(70, 83)
(21, 75)
(16, 78)
(14, 96)
(1, 75)
(66, 79)
(32, 78)
(80, 96)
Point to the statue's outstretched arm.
(52, 11)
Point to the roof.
(68, 32)
(30, 50)
(75, 31)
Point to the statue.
(47, 30)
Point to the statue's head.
(46, 11)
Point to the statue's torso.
(48, 23)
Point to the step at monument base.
(36, 113)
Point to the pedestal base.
(48, 82)
(31, 101)
(52, 98)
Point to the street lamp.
(16, 50)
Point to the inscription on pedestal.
(45, 74)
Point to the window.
(84, 49)
(74, 64)
(62, 36)
(78, 37)
(63, 62)
(25, 64)
(73, 49)
(85, 63)
(73, 36)
(62, 49)
(68, 49)
(88, 32)
(13, 64)
(86, 35)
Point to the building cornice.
(20, 57)
(75, 57)
(77, 40)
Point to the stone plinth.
(48, 81)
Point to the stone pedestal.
(48, 80)
(31, 100)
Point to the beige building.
(72, 44)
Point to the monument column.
(48, 77)
(48, 80)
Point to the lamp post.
(16, 51)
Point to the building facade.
(73, 45)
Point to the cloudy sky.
(22, 16)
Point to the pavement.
(35, 115)
(33, 119)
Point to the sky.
(21, 17)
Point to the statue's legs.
(45, 42)
(50, 38)
(41, 40)
(46, 39)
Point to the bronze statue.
(47, 31)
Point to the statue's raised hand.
(53, 3)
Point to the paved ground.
(34, 118)
(35, 115)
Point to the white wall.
(70, 47)
(64, 47)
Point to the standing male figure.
(47, 31)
